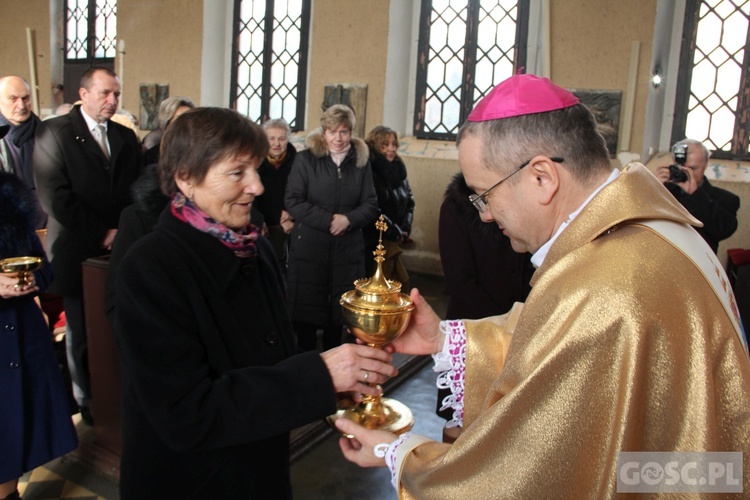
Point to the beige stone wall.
(16, 16)
(591, 46)
(163, 43)
(349, 44)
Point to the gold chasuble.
(622, 345)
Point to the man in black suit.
(84, 165)
(716, 208)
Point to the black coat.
(210, 384)
(716, 208)
(271, 202)
(395, 200)
(321, 266)
(35, 423)
(484, 276)
(81, 190)
(20, 140)
(136, 221)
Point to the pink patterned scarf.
(242, 243)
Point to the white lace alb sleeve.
(451, 362)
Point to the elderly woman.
(211, 382)
(169, 109)
(395, 200)
(274, 172)
(35, 423)
(331, 197)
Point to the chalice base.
(397, 417)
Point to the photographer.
(716, 208)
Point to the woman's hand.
(339, 224)
(353, 367)
(286, 221)
(9, 286)
(360, 449)
(422, 335)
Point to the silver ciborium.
(376, 312)
(22, 266)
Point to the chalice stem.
(372, 414)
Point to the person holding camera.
(716, 208)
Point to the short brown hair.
(88, 75)
(201, 138)
(336, 115)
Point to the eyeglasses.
(480, 200)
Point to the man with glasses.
(612, 351)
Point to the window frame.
(470, 48)
(91, 40)
(266, 89)
(740, 141)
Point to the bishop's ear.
(546, 176)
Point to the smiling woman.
(211, 382)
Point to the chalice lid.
(377, 292)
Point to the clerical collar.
(90, 122)
(538, 258)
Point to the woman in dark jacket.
(484, 276)
(35, 423)
(211, 382)
(395, 200)
(274, 172)
(330, 194)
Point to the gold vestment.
(621, 346)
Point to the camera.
(680, 158)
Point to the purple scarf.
(242, 243)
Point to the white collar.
(538, 258)
(90, 122)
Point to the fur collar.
(316, 143)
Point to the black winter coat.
(82, 192)
(483, 274)
(321, 266)
(716, 208)
(274, 180)
(211, 386)
(395, 200)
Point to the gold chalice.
(376, 312)
(23, 266)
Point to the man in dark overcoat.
(84, 165)
(17, 147)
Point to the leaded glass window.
(90, 29)
(713, 93)
(270, 54)
(466, 47)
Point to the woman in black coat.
(484, 276)
(35, 423)
(395, 200)
(274, 172)
(331, 196)
(211, 382)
